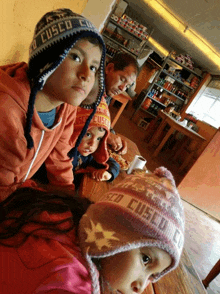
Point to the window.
(206, 107)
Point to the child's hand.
(117, 143)
(101, 175)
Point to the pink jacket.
(17, 163)
(45, 263)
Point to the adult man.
(120, 74)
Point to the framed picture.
(143, 124)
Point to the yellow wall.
(17, 22)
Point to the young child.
(51, 243)
(38, 100)
(92, 155)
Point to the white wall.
(98, 10)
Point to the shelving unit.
(124, 34)
(180, 90)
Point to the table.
(123, 98)
(183, 280)
(175, 126)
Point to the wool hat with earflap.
(100, 119)
(55, 34)
(144, 210)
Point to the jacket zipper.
(37, 151)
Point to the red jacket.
(45, 263)
(17, 163)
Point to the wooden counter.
(175, 126)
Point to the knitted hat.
(55, 34)
(100, 119)
(142, 210)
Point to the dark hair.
(23, 205)
(122, 60)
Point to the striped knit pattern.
(143, 210)
(55, 34)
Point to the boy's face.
(117, 81)
(74, 78)
(90, 142)
(131, 271)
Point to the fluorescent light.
(200, 43)
(158, 46)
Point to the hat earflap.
(30, 112)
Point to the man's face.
(117, 81)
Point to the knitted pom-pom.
(163, 172)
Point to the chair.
(123, 98)
(212, 274)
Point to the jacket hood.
(100, 119)
(14, 82)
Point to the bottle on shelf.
(161, 82)
(147, 103)
(160, 97)
(151, 94)
(155, 94)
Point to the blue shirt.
(48, 118)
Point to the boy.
(38, 100)
(92, 155)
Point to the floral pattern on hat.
(98, 235)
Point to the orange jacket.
(17, 163)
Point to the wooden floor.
(202, 238)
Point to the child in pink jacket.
(38, 100)
(53, 243)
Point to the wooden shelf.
(169, 92)
(145, 110)
(176, 79)
(137, 41)
(119, 44)
(187, 68)
(126, 30)
(155, 100)
(150, 60)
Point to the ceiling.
(203, 16)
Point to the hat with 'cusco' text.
(54, 36)
(100, 119)
(143, 210)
